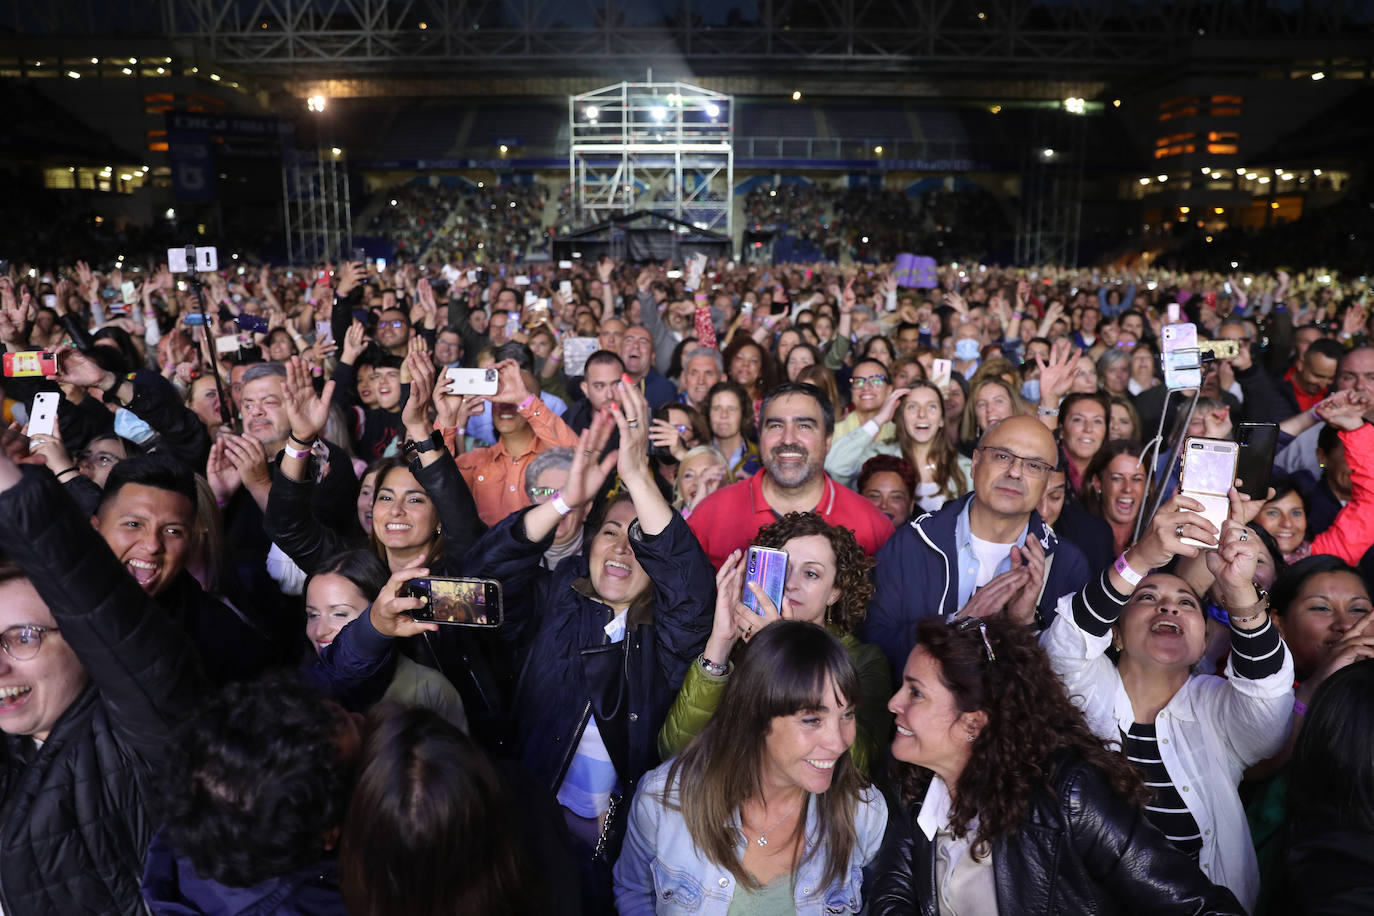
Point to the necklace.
(763, 836)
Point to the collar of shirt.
(968, 560)
(760, 503)
(934, 814)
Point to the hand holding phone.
(1209, 472)
(43, 414)
(456, 602)
(766, 567)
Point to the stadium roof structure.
(1084, 40)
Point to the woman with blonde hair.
(699, 474)
(990, 399)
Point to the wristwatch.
(1046, 411)
(414, 449)
(1247, 614)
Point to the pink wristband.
(298, 453)
(1300, 707)
(527, 402)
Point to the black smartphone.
(1256, 461)
(459, 602)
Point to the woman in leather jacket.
(1008, 803)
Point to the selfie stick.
(199, 290)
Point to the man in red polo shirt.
(796, 421)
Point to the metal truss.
(1050, 220)
(317, 208)
(1086, 38)
(664, 147)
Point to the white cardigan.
(1209, 733)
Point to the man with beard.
(795, 426)
(981, 553)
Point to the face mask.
(1031, 391)
(128, 426)
(966, 350)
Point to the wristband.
(711, 668)
(527, 402)
(559, 505)
(299, 454)
(1126, 572)
(1299, 707)
(1046, 411)
(292, 437)
(61, 474)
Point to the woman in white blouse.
(1191, 735)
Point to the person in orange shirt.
(524, 425)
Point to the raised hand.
(632, 417)
(306, 411)
(249, 459)
(1057, 375)
(1233, 562)
(415, 413)
(355, 342)
(510, 384)
(220, 472)
(77, 369)
(890, 404)
(586, 475)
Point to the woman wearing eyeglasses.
(869, 386)
(1191, 736)
(1007, 802)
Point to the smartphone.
(228, 343)
(767, 567)
(1209, 471)
(531, 297)
(324, 330)
(565, 265)
(1257, 441)
(522, 281)
(565, 288)
(195, 319)
(254, 323)
(537, 312)
(940, 370)
(458, 602)
(381, 265)
(359, 255)
(472, 276)
(43, 414)
(1182, 360)
(471, 381)
(674, 275)
(30, 364)
(129, 291)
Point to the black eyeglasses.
(542, 493)
(873, 381)
(22, 642)
(968, 624)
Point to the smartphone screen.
(939, 373)
(460, 602)
(1209, 470)
(767, 567)
(1258, 442)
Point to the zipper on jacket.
(581, 723)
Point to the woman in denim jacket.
(777, 816)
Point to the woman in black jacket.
(1008, 803)
(605, 638)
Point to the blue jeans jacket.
(661, 871)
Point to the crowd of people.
(487, 223)
(1012, 663)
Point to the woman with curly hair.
(1008, 803)
(827, 584)
(765, 810)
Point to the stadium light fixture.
(712, 110)
(1185, 210)
(335, 151)
(393, 202)
(504, 149)
(1218, 211)
(1209, 239)
(658, 113)
(73, 74)
(864, 240)
(128, 72)
(1206, 170)
(1161, 178)
(214, 77)
(1116, 103)
(423, 26)
(1235, 264)
(315, 103)
(1319, 75)
(877, 150)
(170, 213)
(592, 112)
(1273, 205)
(796, 95)
(1047, 152)
(1144, 181)
(1074, 105)
(1316, 171)
(1263, 179)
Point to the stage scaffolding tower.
(665, 147)
(317, 206)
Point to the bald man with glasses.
(991, 539)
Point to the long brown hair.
(947, 471)
(968, 428)
(429, 828)
(1030, 720)
(781, 672)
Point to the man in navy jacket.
(934, 564)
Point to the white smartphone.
(522, 280)
(565, 288)
(1209, 471)
(472, 381)
(229, 343)
(43, 414)
(940, 370)
(565, 265)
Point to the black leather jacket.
(1082, 849)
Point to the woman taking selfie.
(827, 584)
(1008, 802)
(1192, 736)
(765, 811)
(919, 414)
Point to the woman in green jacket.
(827, 584)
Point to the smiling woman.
(1191, 736)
